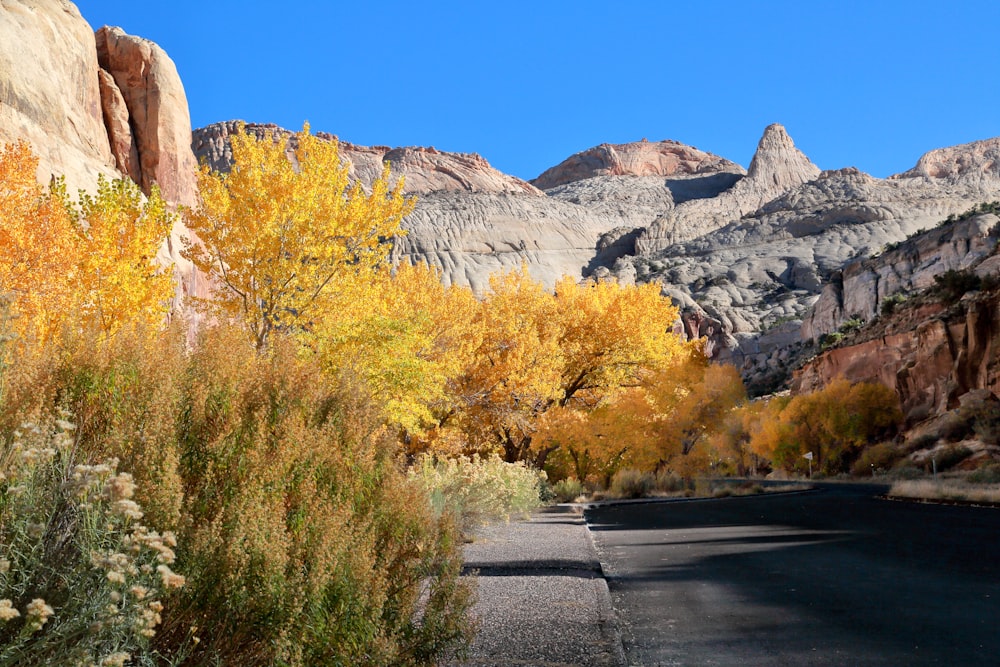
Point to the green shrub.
(81, 580)
(826, 341)
(851, 325)
(952, 285)
(988, 474)
(632, 483)
(878, 457)
(567, 490)
(891, 303)
(949, 457)
(478, 490)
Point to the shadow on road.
(833, 577)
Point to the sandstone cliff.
(50, 94)
(776, 168)
(110, 104)
(931, 356)
(641, 158)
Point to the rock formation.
(936, 355)
(749, 256)
(472, 220)
(641, 158)
(777, 167)
(49, 90)
(859, 290)
(109, 104)
(157, 111)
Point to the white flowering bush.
(81, 578)
(478, 490)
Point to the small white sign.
(808, 455)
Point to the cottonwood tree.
(37, 253)
(118, 233)
(90, 266)
(833, 423)
(279, 236)
(573, 348)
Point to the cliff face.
(107, 104)
(930, 357)
(50, 94)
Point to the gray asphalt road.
(827, 577)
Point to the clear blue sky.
(872, 84)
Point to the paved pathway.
(543, 600)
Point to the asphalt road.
(827, 577)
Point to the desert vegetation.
(290, 482)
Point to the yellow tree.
(38, 257)
(573, 349)
(695, 403)
(279, 236)
(833, 423)
(407, 342)
(514, 373)
(119, 233)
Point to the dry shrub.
(632, 483)
(81, 580)
(879, 458)
(478, 490)
(307, 544)
(567, 490)
(302, 540)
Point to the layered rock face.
(470, 219)
(776, 168)
(110, 104)
(50, 94)
(748, 283)
(641, 158)
(861, 288)
(940, 353)
(157, 128)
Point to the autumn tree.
(695, 402)
(38, 259)
(279, 236)
(119, 233)
(833, 423)
(407, 342)
(572, 348)
(92, 265)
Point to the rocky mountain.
(747, 284)
(762, 261)
(937, 335)
(108, 104)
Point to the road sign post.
(809, 457)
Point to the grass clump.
(478, 490)
(927, 489)
(632, 483)
(567, 490)
(988, 474)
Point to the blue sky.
(526, 84)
